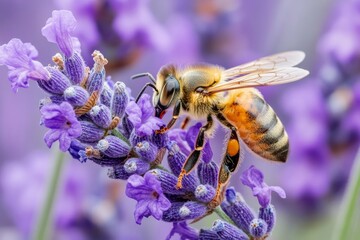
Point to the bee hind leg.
(195, 154)
(229, 163)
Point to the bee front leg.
(175, 116)
(143, 90)
(230, 161)
(195, 154)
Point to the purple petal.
(59, 29)
(63, 123)
(51, 136)
(147, 110)
(155, 210)
(278, 190)
(134, 113)
(264, 197)
(149, 126)
(135, 181)
(164, 203)
(65, 141)
(252, 177)
(141, 211)
(179, 135)
(19, 58)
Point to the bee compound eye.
(168, 92)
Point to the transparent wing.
(272, 77)
(280, 60)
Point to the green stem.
(223, 215)
(349, 202)
(119, 135)
(41, 230)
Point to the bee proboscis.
(207, 91)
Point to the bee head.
(167, 95)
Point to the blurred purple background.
(320, 113)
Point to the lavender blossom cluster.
(97, 120)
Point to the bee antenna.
(146, 74)
(144, 88)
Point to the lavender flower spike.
(149, 196)
(19, 58)
(254, 178)
(62, 122)
(59, 29)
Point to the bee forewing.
(280, 60)
(272, 77)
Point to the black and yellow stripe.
(258, 125)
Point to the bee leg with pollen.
(195, 154)
(230, 161)
(175, 116)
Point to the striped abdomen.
(257, 123)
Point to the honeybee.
(207, 91)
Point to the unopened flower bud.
(95, 81)
(176, 160)
(57, 99)
(57, 83)
(90, 132)
(136, 166)
(146, 150)
(180, 211)
(160, 139)
(106, 161)
(208, 235)
(168, 181)
(75, 67)
(113, 147)
(119, 100)
(76, 95)
(127, 126)
(208, 173)
(258, 228)
(97, 73)
(135, 138)
(118, 172)
(205, 193)
(237, 209)
(101, 115)
(227, 231)
(268, 215)
(106, 95)
(231, 195)
(75, 147)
